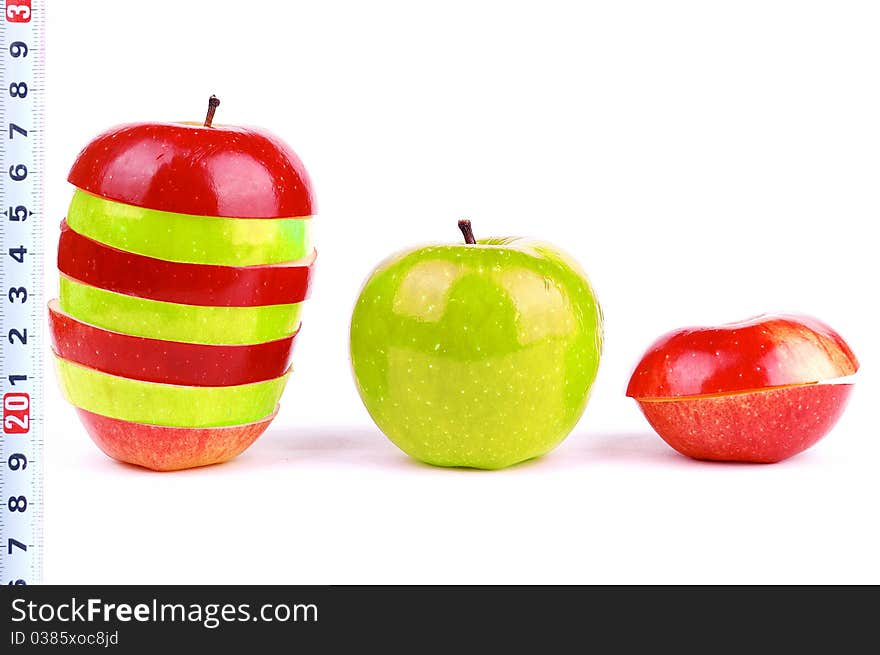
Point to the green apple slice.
(167, 404)
(188, 238)
(155, 319)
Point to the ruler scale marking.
(22, 89)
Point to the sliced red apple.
(166, 362)
(163, 448)
(99, 265)
(195, 194)
(755, 391)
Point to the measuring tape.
(22, 87)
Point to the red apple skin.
(772, 350)
(161, 448)
(105, 267)
(761, 427)
(166, 362)
(746, 391)
(236, 172)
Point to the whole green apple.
(478, 354)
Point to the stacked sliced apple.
(185, 259)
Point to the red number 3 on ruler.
(16, 413)
(18, 11)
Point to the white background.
(704, 161)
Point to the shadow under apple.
(362, 446)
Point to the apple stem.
(213, 103)
(465, 226)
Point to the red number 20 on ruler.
(16, 413)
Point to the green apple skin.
(476, 355)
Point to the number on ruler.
(18, 254)
(19, 213)
(16, 413)
(18, 294)
(18, 49)
(15, 333)
(18, 172)
(18, 11)
(18, 89)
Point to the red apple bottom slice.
(162, 448)
(764, 426)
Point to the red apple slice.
(771, 350)
(99, 265)
(162, 448)
(166, 362)
(750, 391)
(759, 426)
(222, 170)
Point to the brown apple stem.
(213, 103)
(465, 226)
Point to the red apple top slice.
(774, 350)
(235, 172)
